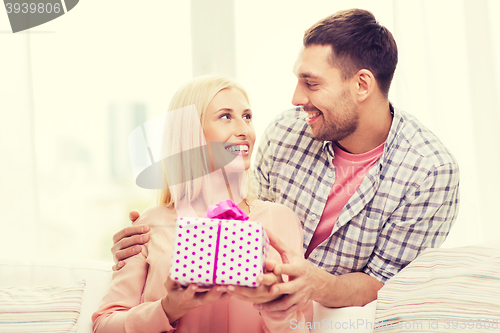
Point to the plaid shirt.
(406, 203)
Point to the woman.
(142, 297)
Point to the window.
(75, 88)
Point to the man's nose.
(299, 96)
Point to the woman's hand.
(260, 294)
(180, 300)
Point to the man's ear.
(365, 84)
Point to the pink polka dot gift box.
(210, 250)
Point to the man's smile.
(313, 116)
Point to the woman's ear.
(365, 84)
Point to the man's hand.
(180, 300)
(260, 294)
(128, 240)
(308, 282)
(304, 280)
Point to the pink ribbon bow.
(226, 210)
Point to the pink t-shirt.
(350, 170)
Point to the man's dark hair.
(358, 41)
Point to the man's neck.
(373, 128)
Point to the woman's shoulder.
(271, 208)
(156, 214)
(279, 220)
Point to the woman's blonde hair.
(183, 133)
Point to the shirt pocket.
(361, 235)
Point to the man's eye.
(311, 84)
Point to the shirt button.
(313, 217)
(330, 174)
(337, 224)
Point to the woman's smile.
(240, 148)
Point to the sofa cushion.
(48, 308)
(443, 290)
(97, 274)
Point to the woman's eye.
(225, 116)
(247, 117)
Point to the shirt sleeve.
(262, 166)
(421, 221)
(286, 226)
(121, 309)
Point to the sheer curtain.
(448, 77)
(72, 90)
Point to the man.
(371, 185)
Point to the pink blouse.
(133, 301)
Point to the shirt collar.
(396, 120)
(328, 147)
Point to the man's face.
(323, 94)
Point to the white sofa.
(98, 274)
(443, 289)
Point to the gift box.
(210, 251)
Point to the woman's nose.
(242, 128)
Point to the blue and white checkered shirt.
(406, 203)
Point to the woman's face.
(228, 122)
